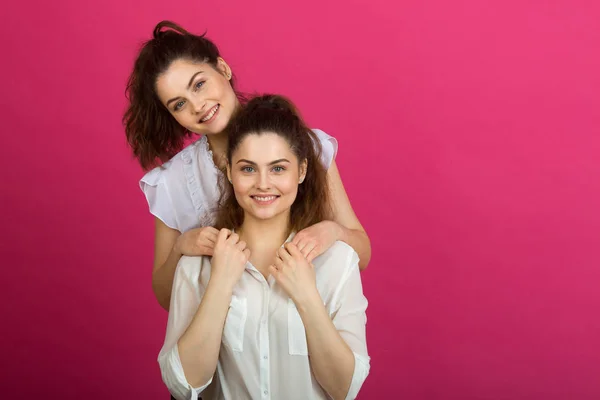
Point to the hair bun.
(165, 27)
(272, 102)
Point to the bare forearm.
(162, 278)
(360, 242)
(331, 359)
(200, 344)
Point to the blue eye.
(247, 169)
(179, 105)
(198, 85)
(278, 169)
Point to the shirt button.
(265, 357)
(266, 392)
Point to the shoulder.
(189, 268)
(324, 138)
(182, 192)
(338, 260)
(328, 145)
(174, 169)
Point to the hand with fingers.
(295, 274)
(198, 242)
(229, 260)
(316, 239)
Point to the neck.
(265, 235)
(218, 145)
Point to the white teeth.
(267, 198)
(210, 114)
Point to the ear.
(223, 68)
(228, 172)
(303, 169)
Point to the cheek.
(289, 186)
(226, 93)
(241, 186)
(182, 119)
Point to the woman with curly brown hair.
(180, 87)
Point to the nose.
(263, 181)
(199, 105)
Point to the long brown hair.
(152, 132)
(276, 114)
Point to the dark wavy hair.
(276, 114)
(152, 132)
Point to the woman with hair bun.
(181, 87)
(257, 320)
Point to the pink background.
(469, 142)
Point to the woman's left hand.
(316, 239)
(295, 274)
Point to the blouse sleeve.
(329, 147)
(350, 320)
(158, 196)
(185, 300)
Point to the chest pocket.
(296, 334)
(233, 332)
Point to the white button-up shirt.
(264, 353)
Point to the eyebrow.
(271, 163)
(188, 86)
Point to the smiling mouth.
(263, 200)
(210, 114)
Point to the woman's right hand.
(198, 241)
(229, 260)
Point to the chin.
(217, 128)
(264, 214)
